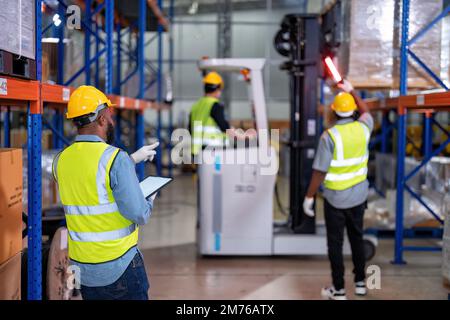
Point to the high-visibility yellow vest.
(350, 155)
(97, 231)
(205, 131)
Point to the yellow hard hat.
(213, 78)
(344, 103)
(85, 100)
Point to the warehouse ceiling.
(190, 7)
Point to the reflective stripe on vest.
(205, 131)
(97, 231)
(349, 164)
(101, 175)
(91, 210)
(102, 236)
(346, 176)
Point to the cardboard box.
(10, 203)
(10, 274)
(19, 138)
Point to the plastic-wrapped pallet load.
(428, 48)
(17, 19)
(445, 52)
(431, 183)
(50, 196)
(446, 241)
(438, 175)
(386, 172)
(369, 54)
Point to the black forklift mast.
(299, 39)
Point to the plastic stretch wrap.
(386, 168)
(369, 54)
(381, 213)
(431, 183)
(428, 48)
(438, 175)
(49, 189)
(18, 27)
(445, 52)
(446, 242)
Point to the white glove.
(145, 153)
(154, 196)
(345, 86)
(308, 206)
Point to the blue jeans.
(132, 285)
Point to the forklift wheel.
(369, 249)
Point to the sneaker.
(331, 294)
(360, 288)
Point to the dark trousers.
(132, 285)
(336, 221)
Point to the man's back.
(354, 195)
(83, 163)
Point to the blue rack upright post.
(109, 29)
(58, 114)
(171, 73)
(6, 128)
(117, 88)
(34, 148)
(160, 31)
(140, 168)
(402, 186)
(87, 42)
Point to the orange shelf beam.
(55, 94)
(19, 92)
(59, 95)
(128, 103)
(423, 103)
(439, 100)
(382, 104)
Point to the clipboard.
(153, 184)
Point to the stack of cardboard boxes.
(10, 223)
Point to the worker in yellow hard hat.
(103, 202)
(341, 165)
(207, 122)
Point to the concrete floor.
(177, 272)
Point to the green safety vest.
(350, 155)
(205, 131)
(97, 231)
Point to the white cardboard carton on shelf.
(17, 19)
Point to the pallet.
(12, 65)
(410, 233)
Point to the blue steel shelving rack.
(34, 147)
(429, 104)
(93, 30)
(36, 96)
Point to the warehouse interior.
(219, 230)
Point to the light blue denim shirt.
(132, 205)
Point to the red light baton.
(333, 70)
